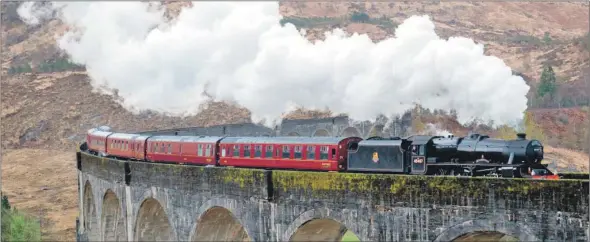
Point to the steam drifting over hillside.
(239, 52)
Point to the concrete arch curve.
(152, 223)
(321, 132)
(223, 218)
(293, 133)
(516, 230)
(376, 130)
(350, 131)
(90, 223)
(325, 219)
(112, 218)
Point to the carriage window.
(169, 149)
(208, 150)
(162, 149)
(180, 149)
(311, 152)
(422, 150)
(223, 150)
(246, 151)
(258, 151)
(333, 153)
(236, 150)
(324, 153)
(297, 152)
(200, 150)
(286, 153)
(268, 151)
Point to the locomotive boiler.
(472, 155)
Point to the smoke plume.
(239, 52)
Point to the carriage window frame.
(236, 150)
(258, 151)
(324, 152)
(297, 152)
(208, 150)
(286, 152)
(199, 149)
(268, 153)
(311, 152)
(247, 151)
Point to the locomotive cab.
(419, 151)
(379, 155)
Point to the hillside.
(48, 103)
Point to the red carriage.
(302, 153)
(183, 149)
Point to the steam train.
(472, 155)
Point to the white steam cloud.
(240, 52)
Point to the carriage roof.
(98, 132)
(123, 136)
(201, 139)
(284, 140)
(421, 139)
(383, 142)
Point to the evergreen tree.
(548, 84)
(5, 203)
(547, 38)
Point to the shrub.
(17, 226)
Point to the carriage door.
(418, 159)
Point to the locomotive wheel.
(441, 172)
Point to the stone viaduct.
(337, 126)
(137, 201)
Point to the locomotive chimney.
(521, 136)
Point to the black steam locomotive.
(472, 155)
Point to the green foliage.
(57, 65)
(547, 38)
(506, 132)
(310, 22)
(349, 236)
(360, 17)
(525, 40)
(532, 129)
(16, 226)
(24, 68)
(548, 84)
(5, 203)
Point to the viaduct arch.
(131, 201)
